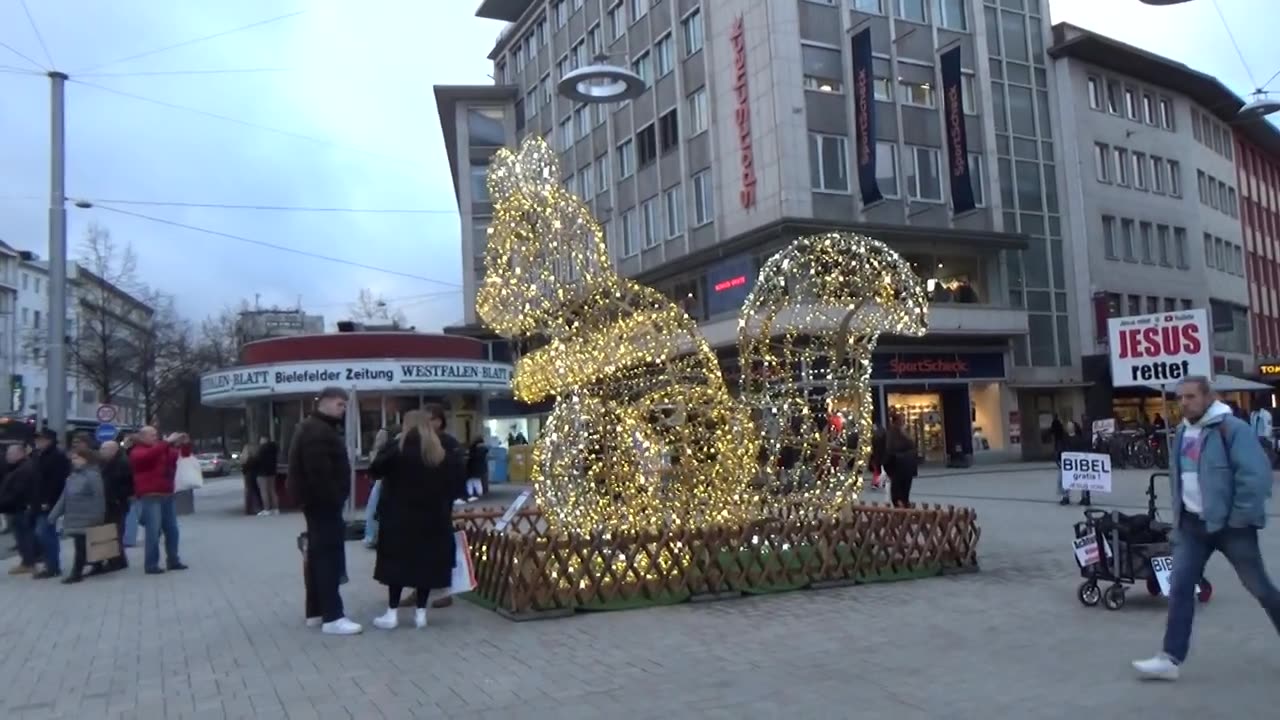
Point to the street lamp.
(1163, 2)
(1260, 107)
(601, 83)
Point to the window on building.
(602, 172)
(1163, 245)
(626, 158)
(1109, 237)
(698, 112)
(1135, 304)
(1180, 252)
(915, 93)
(882, 88)
(566, 134)
(1157, 174)
(1170, 304)
(828, 163)
(1130, 104)
(617, 21)
(951, 14)
(650, 230)
(639, 8)
(531, 101)
(1126, 236)
(586, 183)
(643, 67)
(924, 181)
(823, 69)
(595, 41)
(560, 11)
(479, 183)
(1232, 204)
(978, 178)
(1210, 255)
(578, 55)
(1120, 166)
(1113, 97)
(869, 6)
(692, 27)
(1148, 243)
(582, 121)
(1139, 171)
(887, 169)
(669, 131)
(703, 201)
(1175, 178)
(1095, 93)
(486, 127)
(562, 66)
(968, 94)
(545, 84)
(910, 10)
(1102, 162)
(673, 210)
(627, 231)
(1148, 109)
(664, 55)
(646, 145)
(1166, 114)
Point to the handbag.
(188, 475)
(464, 572)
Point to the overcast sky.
(356, 76)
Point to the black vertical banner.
(864, 118)
(957, 139)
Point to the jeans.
(371, 514)
(24, 534)
(130, 535)
(325, 563)
(159, 515)
(1193, 547)
(50, 544)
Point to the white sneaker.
(341, 626)
(275, 512)
(1160, 667)
(315, 621)
(419, 618)
(472, 499)
(264, 513)
(388, 620)
(459, 502)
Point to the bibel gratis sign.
(1159, 349)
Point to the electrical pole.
(56, 385)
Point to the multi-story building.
(769, 84)
(99, 315)
(1150, 168)
(262, 324)
(9, 329)
(1257, 150)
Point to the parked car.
(213, 465)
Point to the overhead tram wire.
(39, 37)
(193, 41)
(275, 208)
(155, 73)
(11, 49)
(237, 121)
(273, 246)
(1236, 45)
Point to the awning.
(1229, 383)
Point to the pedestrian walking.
(415, 528)
(319, 479)
(52, 469)
(20, 478)
(477, 469)
(82, 505)
(454, 466)
(154, 463)
(253, 501)
(117, 486)
(901, 461)
(1221, 482)
(1260, 422)
(265, 464)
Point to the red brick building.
(1258, 170)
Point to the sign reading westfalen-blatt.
(962, 200)
(1159, 349)
(864, 118)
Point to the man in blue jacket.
(1221, 481)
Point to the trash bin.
(497, 465)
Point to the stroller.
(1123, 550)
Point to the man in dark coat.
(52, 468)
(319, 480)
(454, 468)
(117, 485)
(15, 498)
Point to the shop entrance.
(922, 419)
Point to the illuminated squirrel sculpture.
(645, 434)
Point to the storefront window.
(286, 415)
(370, 423)
(399, 405)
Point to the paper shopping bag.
(464, 572)
(101, 543)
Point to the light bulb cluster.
(805, 337)
(645, 435)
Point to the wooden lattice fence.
(524, 572)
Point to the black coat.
(117, 485)
(17, 486)
(455, 465)
(478, 461)
(415, 518)
(319, 468)
(267, 459)
(53, 467)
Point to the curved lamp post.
(601, 83)
(1163, 2)
(1258, 108)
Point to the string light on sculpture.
(644, 434)
(806, 335)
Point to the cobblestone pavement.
(225, 640)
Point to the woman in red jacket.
(155, 463)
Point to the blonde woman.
(415, 526)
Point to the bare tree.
(218, 347)
(167, 357)
(112, 321)
(371, 308)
